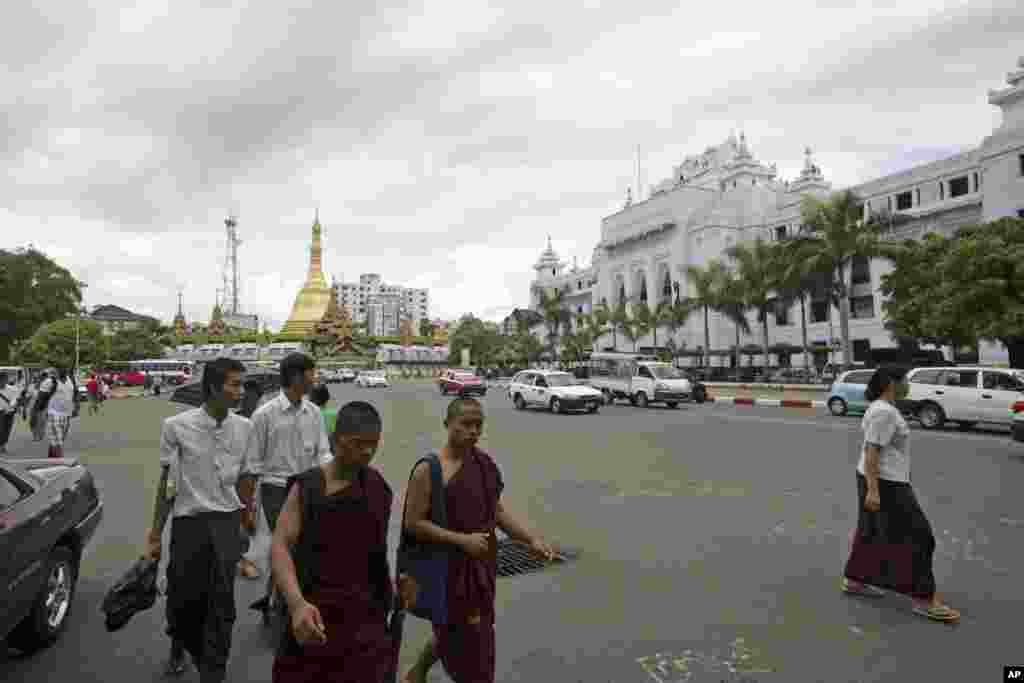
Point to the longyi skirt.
(893, 548)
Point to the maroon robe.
(466, 644)
(358, 648)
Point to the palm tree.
(675, 315)
(552, 308)
(643, 323)
(620, 319)
(646, 320)
(796, 282)
(705, 282)
(836, 234)
(596, 323)
(731, 302)
(757, 273)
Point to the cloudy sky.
(441, 140)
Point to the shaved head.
(458, 406)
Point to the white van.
(965, 395)
(639, 379)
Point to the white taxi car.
(371, 378)
(557, 391)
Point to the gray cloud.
(271, 110)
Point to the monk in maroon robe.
(473, 486)
(338, 587)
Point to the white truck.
(639, 379)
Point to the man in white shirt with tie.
(288, 438)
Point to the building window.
(781, 312)
(889, 203)
(958, 187)
(860, 268)
(780, 233)
(942, 190)
(917, 197)
(904, 201)
(975, 178)
(1020, 159)
(819, 311)
(862, 307)
(734, 184)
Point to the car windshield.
(665, 372)
(561, 380)
(464, 375)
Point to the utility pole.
(231, 225)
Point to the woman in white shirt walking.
(59, 411)
(893, 544)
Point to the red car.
(461, 382)
(130, 378)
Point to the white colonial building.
(725, 195)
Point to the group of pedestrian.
(49, 404)
(329, 511)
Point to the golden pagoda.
(314, 297)
(217, 328)
(179, 320)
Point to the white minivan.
(966, 395)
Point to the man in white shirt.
(201, 452)
(9, 394)
(288, 438)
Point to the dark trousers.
(6, 427)
(204, 554)
(272, 499)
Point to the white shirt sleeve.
(169, 445)
(324, 446)
(256, 445)
(881, 427)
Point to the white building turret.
(548, 266)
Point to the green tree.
(757, 272)
(796, 282)
(644, 321)
(135, 344)
(675, 316)
(54, 344)
(977, 289)
(552, 307)
(481, 338)
(913, 308)
(34, 291)
(731, 301)
(835, 235)
(426, 328)
(599, 317)
(705, 282)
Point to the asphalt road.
(712, 541)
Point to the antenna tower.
(231, 264)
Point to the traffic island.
(772, 395)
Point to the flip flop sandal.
(176, 667)
(942, 613)
(863, 590)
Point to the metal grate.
(515, 558)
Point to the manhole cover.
(515, 558)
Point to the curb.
(772, 402)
